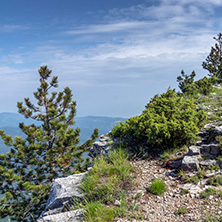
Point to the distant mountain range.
(10, 121)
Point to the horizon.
(114, 55)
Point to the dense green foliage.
(213, 62)
(190, 87)
(168, 121)
(48, 150)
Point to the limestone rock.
(205, 148)
(218, 130)
(62, 192)
(208, 163)
(191, 187)
(70, 216)
(190, 163)
(194, 151)
(215, 149)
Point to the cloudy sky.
(114, 55)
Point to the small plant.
(138, 195)
(157, 187)
(212, 219)
(207, 193)
(216, 181)
(134, 207)
(201, 173)
(195, 179)
(220, 193)
(184, 191)
(181, 210)
(211, 181)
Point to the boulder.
(205, 148)
(71, 216)
(190, 163)
(62, 192)
(218, 130)
(194, 151)
(215, 149)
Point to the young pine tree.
(186, 83)
(48, 150)
(213, 62)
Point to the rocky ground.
(164, 207)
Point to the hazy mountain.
(10, 121)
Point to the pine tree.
(213, 62)
(186, 82)
(49, 149)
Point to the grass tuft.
(157, 187)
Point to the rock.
(199, 143)
(218, 130)
(99, 144)
(207, 163)
(117, 203)
(62, 192)
(209, 126)
(205, 148)
(193, 189)
(190, 163)
(104, 138)
(208, 175)
(194, 151)
(176, 164)
(71, 216)
(215, 149)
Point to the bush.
(169, 121)
(157, 187)
(204, 86)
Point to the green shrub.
(169, 121)
(181, 210)
(204, 86)
(157, 187)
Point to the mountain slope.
(10, 121)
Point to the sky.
(114, 55)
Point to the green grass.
(157, 187)
(215, 181)
(195, 179)
(184, 191)
(98, 212)
(108, 181)
(207, 193)
(213, 218)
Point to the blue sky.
(114, 55)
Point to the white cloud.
(107, 28)
(12, 28)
